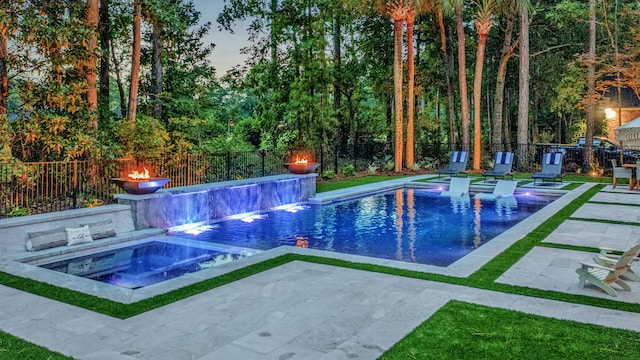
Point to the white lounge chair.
(457, 187)
(603, 276)
(503, 188)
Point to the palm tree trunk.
(451, 134)
(523, 98)
(477, 93)
(591, 85)
(410, 90)
(498, 99)
(397, 87)
(462, 78)
(135, 62)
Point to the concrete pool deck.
(310, 311)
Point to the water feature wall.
(198, 203)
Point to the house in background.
(618, 114)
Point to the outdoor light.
(609, 113)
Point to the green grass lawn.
(413, 344)
(12, 348)
(468, 331)
(356, 181)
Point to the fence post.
(74, 194)
(263, 154)
(228, 177)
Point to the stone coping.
(209, 186)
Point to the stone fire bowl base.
(139, 187)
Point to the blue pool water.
(143, 264)
(412, 225)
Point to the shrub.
(389, 165)
(328, 175)
(349, 170)
(372, 169)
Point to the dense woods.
(113, 78)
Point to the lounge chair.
(620, 172)
(501, 166)
(551, 168)
(604, 276)
(608, 258)
(457, 187)
(503, 188)
(457, 164)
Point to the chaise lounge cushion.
(101, 229)
(42, 240)
(79, 235)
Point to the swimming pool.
(411, 225)
(146, 263)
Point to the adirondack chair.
(608, 258)
(551, 168)
(603, 276)
(457, 164)
(501, 166)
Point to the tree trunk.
(90, 66)
(498, 99)
(462, 78)
(156, 70)
(477, 93)
(104, 111)
(507, 126)
(135, 62)
(4, 71)
(523, 98)
(448, 70)
(591, 85)
(337, 94)
(410, 90)
(116, 67)
(397, 89)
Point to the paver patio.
(311, 311)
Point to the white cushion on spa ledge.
(79, 235)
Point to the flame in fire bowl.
(140, 182)
(301, 165)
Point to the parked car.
(600, 143)
(603, 151)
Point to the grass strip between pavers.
(460, 330)
(484, 278)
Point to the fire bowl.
(301, 168)
(139, 187)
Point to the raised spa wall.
(177, 206)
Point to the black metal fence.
(31, 188)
